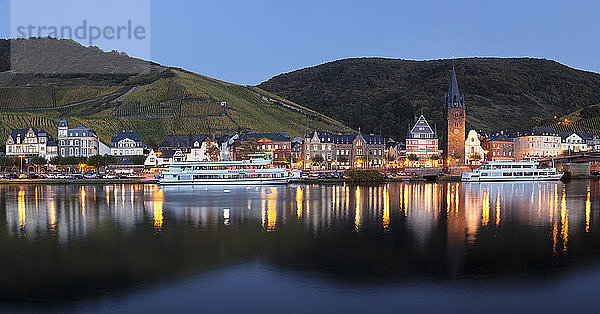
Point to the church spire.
(453, 98)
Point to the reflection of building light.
(588, 210)
(448, 198)
(82, 198)
(52, 214)
(271, 210)
(357, 209)
(386, 208)
(36, 199)
(21, 209)
(485, 216)
(299, 199)
(498, 208)
(456, 200)
(226, 215)
(564, 218)
(158, 210)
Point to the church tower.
(454, 107)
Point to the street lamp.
(21, 157)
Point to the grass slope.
(182, 103)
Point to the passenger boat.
(244, 172)
(511, 171)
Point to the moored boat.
(511, 171)
(254, 171)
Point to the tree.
(342, 159)
(9, 161)
(37, 160)
(138, 160)
(213, 153)
(475, 156)
(97, 161)
(412, 157)
(245, 149)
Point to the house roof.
(275, 137)
(499, 138)
(21, 133)
(327, 137)
(541, 130)
(184, 140)
(123, 135)
(373, 139)
(166, 153)
(585, 135)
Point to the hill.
(383, 95)
(114, 92)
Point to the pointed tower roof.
(453, 98)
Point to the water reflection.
(388, 232)
(464, 208)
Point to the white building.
(30, 142)
(573, 142)
(126, 144)
(474, 153)
(78, 142)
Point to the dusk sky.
(247, 42)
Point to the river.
(397, 247)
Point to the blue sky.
(248, 42)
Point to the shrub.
(365, 176)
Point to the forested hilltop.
(383, 95)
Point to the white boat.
(511, 171)
(244, 172)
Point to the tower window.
(456, 114)
(456, 124)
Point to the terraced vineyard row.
(164, 89)
(9, 121)
(589, 125)
(22, 98)
(187, 106)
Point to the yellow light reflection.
(588, 210)
(21, 209)
(52, 214)
(357, 209)
(386, 208)
(82, 197)
(498, 208)
(299, 199)
(564, 218)
(485, 216)
(158, 210)
(271, 211)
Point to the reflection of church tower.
(454, 106)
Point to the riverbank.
(78, 182)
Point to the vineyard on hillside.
(180, 104)
(23, 98)
(589, 125)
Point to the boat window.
(528, 174)
(484, 174)
(551, 173)
(507, 174)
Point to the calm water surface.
(406, 247)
